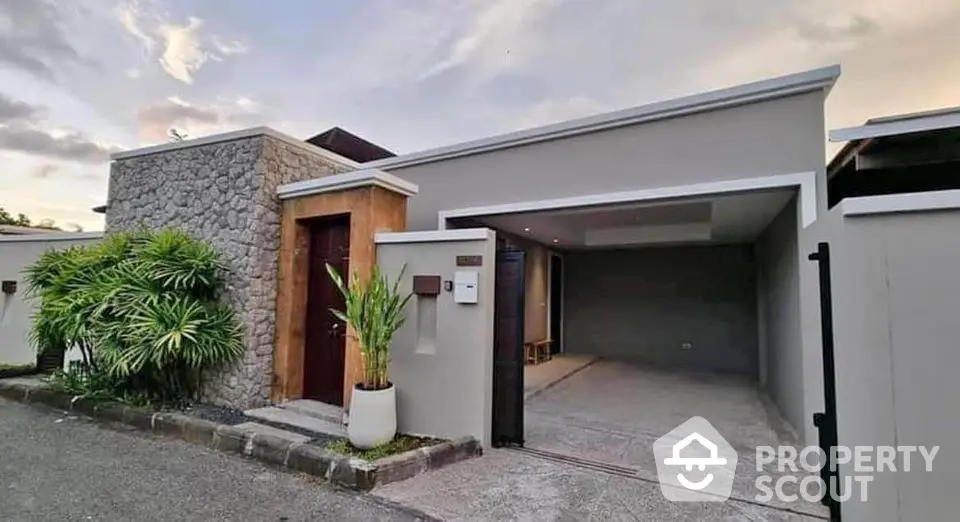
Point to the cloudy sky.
(82, 78)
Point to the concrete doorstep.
(264, 443)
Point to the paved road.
(56, 468)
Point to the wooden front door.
(325, 349)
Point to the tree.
(23, 221)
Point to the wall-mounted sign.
(469, 260)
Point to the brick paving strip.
(346, 471)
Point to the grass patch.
(399, 444)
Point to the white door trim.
(806, 183)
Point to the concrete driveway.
(611, 412)
(589, 455)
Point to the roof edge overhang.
(821, 79)
(896, 127)
(233, 136)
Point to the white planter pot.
(373, 417)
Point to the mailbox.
(465, 283)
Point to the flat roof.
(799, 83)
(232, 136)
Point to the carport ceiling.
(727, 219)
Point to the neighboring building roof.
(876, 130)
(809, 81)
(13, 230)
(350, 145)
(900, 124)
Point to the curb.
(349, 472)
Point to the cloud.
(501, 25)
(182, 47)
(69, 146)
(231, 47)
(132, 73)
(129, 17)
(32, 38)
(15, 110)
(837, 28)
(43, 170)
(20, 132)
(157, 119)
(183, 53)
(198, 119)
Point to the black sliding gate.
(508, 349)
(826, 421)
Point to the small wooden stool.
(542, 350)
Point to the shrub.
(374, 310)
(142, 308)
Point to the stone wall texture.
(224, 193)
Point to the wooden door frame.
(371, 209)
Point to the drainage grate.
(581, 462)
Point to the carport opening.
(626, 320)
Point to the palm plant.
(143, 309)
(374, 310)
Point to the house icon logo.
(695, 463)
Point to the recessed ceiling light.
(526, 229)
(555, 240)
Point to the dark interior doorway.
(556, 303)
(325, 347)
(508, 349)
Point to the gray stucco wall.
(442, 359)
(774, 137)
(778, 256)
(16, 254)
(224, 193)
(642, 305)
(896, 297)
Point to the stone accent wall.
(224, 193)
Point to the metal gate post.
(826, 421)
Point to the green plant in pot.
(374, 310)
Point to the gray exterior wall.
(224, 193)
(781, 343)
(773, 137)
(896, 296)
(16, 254)
(441, 360)
(642, 305)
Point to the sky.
(80, 79)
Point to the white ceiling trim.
(799, 83)
(348, 180)
(806, 182)
(434, 236)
